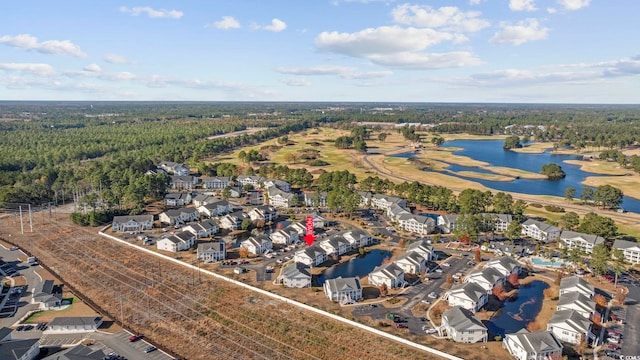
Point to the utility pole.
(21, 224)
(121, 311)
(30, 219)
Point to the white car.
(445, 264)
(433, 295)
(438, 270)
(431, 331)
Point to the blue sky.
(531, 51)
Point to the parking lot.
(119, 343)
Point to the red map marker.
(309, 238)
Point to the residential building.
(499, 222)
(181, 241)
(536, 345)
(135, 223)
(470, 296)
(418, 224)
(182, 182)
(233, 221)
(203, 199)
(212, 252)
(630, 249)
(569, 326)
(217, 182)
(285, 236)
(175, 168)
(279, 198)
(74, 324)
(487, 278)
(578, 302)
(390, 274)
(447, 223)
(365, 199)
(576, 240)
(358, 238)
(343, 290)
(177, 199)
(299, 227)
(411, 262)
(295, 275)
(27, 349)
(77, 352)
(576, 284)
(318, 221)
(395, 212)
(383, 202)
(44, 294)
(313, 255)
(540, 231)
(264, 213)
(315, 199)
(203, 229)
(215, 208)
(335, 245)
(505, 265)
(257, 244)
(461, 325)
(179, 216)
(254, 198)
(280, 184)
(255, 181)
(424, 249)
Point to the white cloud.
(29, 68)
(226, 23)
(56, 47)
(116, 59)
(277, 25)
(151, 12)
(446, 17)
(574, 4)
(520, 33)
(474, 2)
(337, 2)
(522, 5)
(93, 68)
(345, 72)
(551, 10)
(302, 82)
(427, 61)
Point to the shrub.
(554, 208)
(536, 205)
(318, 162)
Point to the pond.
(518, 311)
(360, 265)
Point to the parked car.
(150, 349)
(431, 331)
(433, 295)
(13, 248)
(612, 347)
(613, 340)
(135, 338)
(401, 326)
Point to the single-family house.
(235, 192)
(279, 198)
(295, 275)
(215, 208)
(44, 294)
(255, 181)
(315, 199)
(418, 224)
(470, 296)
(74, 324)
(216, 182)
(264, 213)
(343, 290)
(280, 184)
(212, 251)
(487, 278)
(569, 326)
(285, 236)
(182, 182)
(134, 223)
(313, 255)
(318, 221)
(358, 238)
(365, 199)
(576, 284)
(540, 231)
(177, 199)
(335, 245)
(576, 240)
(578, 302)
(461, 325)
(257, 244)
(177, 242)
(630, 249)
(25, 349)
(536, 345)
(179, 216)
(505, 265)
(411, 262)
(233, 221)
(390, 274)
(203, 229)
(424, 249)
(447, 223)
(175, 168)
(383, 202)
(203, 199)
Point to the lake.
(517, 312)
(359, 266)
(491, 151)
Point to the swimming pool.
(541, 262)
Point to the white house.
(505, 265)
(265, 213)
(423, 248)
(177, 242)
(576, 240)
(411, 262)
(365, 199)
(19, 349)
(215, 208)
(390, 274)
(216, 182)
(540, 231)
(299, 227)
(418, 224)
(212, 252)
(279, 198)
(177, 199)
(383, 202)
(295, 275)
(203, 229)
(537, 345)
(258, 244)
(44, 295)
(134, 223)
(183, 182)
(447, 222)
(203, 199)
(461, 325)
(570, 326)
(630, 249)
(487, 278)
(395, 211)
(578, 302)
(470, 296)
(500, 222)
(312, 256)
(316, 199)
(175, 168)
(358, 238)
(335, 245)
(576, 284)
(233, 221)
(179, 216)
(285, 236)
(280, 184)
(73, 324)
(255, 181)
(343, 290)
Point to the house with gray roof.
(578, 302)
(285, 236)
(576, 284)
(135, 223)
(498, 222)
(343, 290)
(411, 262)
(315, 199)
(525, 345)
(540, 231)
(27, 349)
(630, 249)
(417, 224)
(215, 208)
(73, 324)
(266, 213)
(335, 245)
(395, 211)
(216, 182)
(365, 199)
(295, 275)
(461, 325)
(470, 296)
(203, 229)
(78, 352)
(186, 182)
(179, 216)
(177, 199)
(175, 168)
(233, 221)
(358, 238)
(313, 255)
(280, 184)
(487, 278)
(390, 274)
(181, 241)
(203, 199)
(212, 251)
(279, 198)
(571, 327)
(505, 265)
(257, 244)
(447, 223)
(424, 249)
(255, 181)
(44, 293)
(576, 240)
(383, 202)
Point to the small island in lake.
(553, 171)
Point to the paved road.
(16, 258)
(631, 335)
(119, 343)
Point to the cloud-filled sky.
(513, 51)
